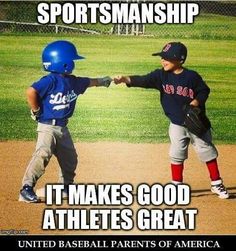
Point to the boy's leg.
(178, 151)
(44, 149)
(177, 172)
(213, 169)
(204, 147)
(207, 153)
(67, 157)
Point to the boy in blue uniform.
(179, 87)
(52, 101)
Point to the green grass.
(116, 113)
(206, 26)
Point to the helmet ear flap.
(60, 67)
(68, 67)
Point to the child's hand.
(194, 102)
(35, 114)
(121, 79)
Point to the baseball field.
(121, 134)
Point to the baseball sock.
(213, 169)
(177, 172)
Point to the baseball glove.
(196, 120)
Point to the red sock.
(177, 172)
(213, 169)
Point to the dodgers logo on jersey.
(62, 101)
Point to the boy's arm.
(33, 102)
(201, 92)
(104, 81)
(202, 95)
(150, 80)
(32, 99)
(132, 81)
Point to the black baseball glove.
(196, 120)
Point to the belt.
(55, 122)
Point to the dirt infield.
(119, 163)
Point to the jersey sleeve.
(201, 89)
(81, 84)
(43, 85)
(151, 80)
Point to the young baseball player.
(179, 87)
(52, 101)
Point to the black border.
(224, 241)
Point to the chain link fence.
(217, 20)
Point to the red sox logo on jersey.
(180, 90)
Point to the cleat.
(28, 195)
(218, 188)
(65, 193)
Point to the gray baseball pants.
(180, 139)
(52, 140)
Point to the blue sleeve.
(43, 85)
(201, 89)
(151, 80)
(81, 84)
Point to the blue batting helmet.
(59, 57)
